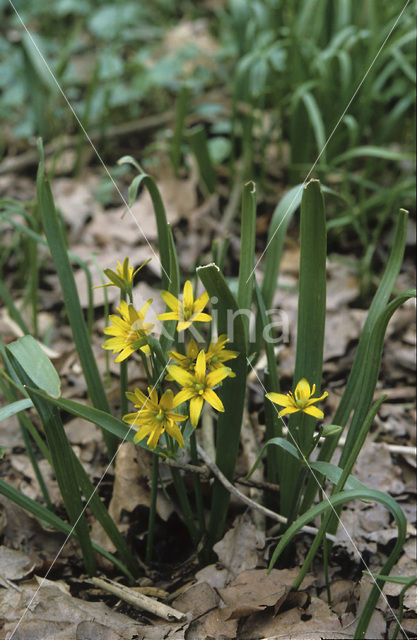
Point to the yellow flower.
(300, 401)
(198, 386)
(122, 277)
(129, 331)
(216, 354)
(154, 417)
(186, 362)
(187, 311)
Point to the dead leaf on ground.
(14, 564)
(255, 590)
(317, 622)
(55, 615)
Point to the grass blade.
(247, 254)
(310, 329)
(232, 394)
(54, 235)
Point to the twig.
(253, 505)
(192, 468)
(138, 600)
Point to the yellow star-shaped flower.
(300, 401)
(186, 311)
(198, 386)
(154, 416)
(129, 331)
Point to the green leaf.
(310, 330)
(279, 442)
(143, 179)
(50, 519)
(60, 450)
(55, 237)
(198, 142)
(370, 345)
(333, 473)
(339, 499)
(15, 407)
(232, 393)
(373, 152)
(36, 364)
(276, 235)
(247, 253)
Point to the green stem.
(197, 485)
(185, 505)
(152, 508)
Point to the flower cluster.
(198, 372)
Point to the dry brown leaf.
(14, 565)
(237, 551)
(75, 199)
(318, 622)
(197, 600)
(54, 615)
(254, 590)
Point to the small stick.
(251, 503)
(138, 600)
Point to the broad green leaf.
(36, 364)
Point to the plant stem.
(197, 485)
(152, 508)
(185, 505)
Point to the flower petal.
(169, 315)
(182, 326)
(302, 391)
(187, 296)
(171, 301)
(182, 396)
(184, 378)
(196, 404)
(175, 432)
(200, 367)
(314, 411)
(216, 376)
(201, 302)
(213, 399)
(313, 400)
(280, 399)
(287, 411)
(201, 317)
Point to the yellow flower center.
(199, 388)
(187, 314)
(161, 415)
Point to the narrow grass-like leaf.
(15, 407)
(247, 253)
(54, 235)
(198, 143)
(333, 502)
(232, 393)
(359, 372)
(102, 419)
(168, 327)
(180, 115)
(373, 152)
(310, 330)
(143, 179)
(279, 442)
(61, 452)
(329, 521)
(50, 519)
(276, 235)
